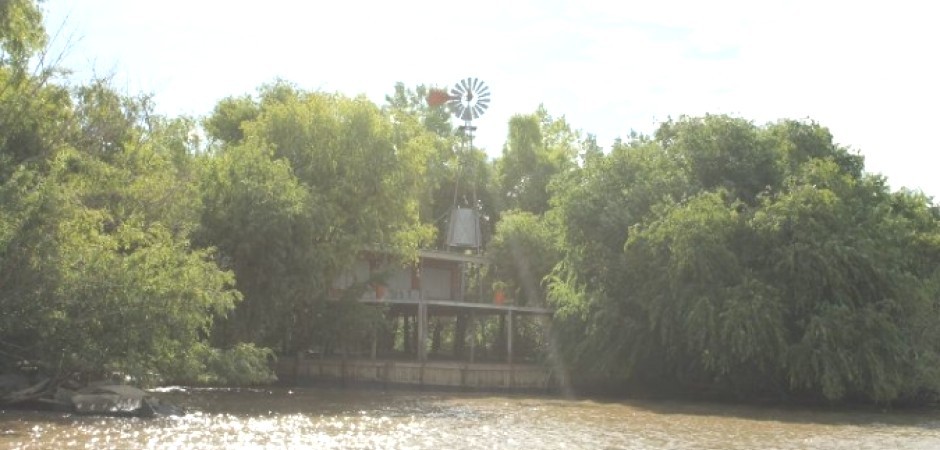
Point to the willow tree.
(316, 179)
(99, 275)
(538, 148)
(540, 152)
(97, 204)
(754, 260)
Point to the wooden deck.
(450, 374)
(413, 295)
(452, 306)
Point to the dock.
(436, 374)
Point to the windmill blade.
(466, 85)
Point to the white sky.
(867, 70)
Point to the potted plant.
(499, 292)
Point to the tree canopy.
(97, 204)
(756, 260)
(311, 180)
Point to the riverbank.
(538, 379)
(374, 418)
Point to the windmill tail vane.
(437, 97)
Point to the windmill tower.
(467, 100)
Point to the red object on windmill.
(437, 97)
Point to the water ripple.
(334, 419)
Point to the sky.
(867, 70)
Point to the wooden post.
(388, 337)
(510, 382)
(499, 338)
(298, 360)
(459, 282)
(460, 335)
(342, 369)
(405, 334)
(422, 331)
(509, 337)
(436, 335)
(375, 342)
(473, 335)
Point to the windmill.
(467, 100)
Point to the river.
(337, 418)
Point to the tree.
(317, 179)
(98, 269)
(722, 152)
(21, 33)
(538, 148)
(96, 208)
(753, 260)
(525, 249)
(413, 103)
(225, 122)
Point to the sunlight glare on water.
(332, 419)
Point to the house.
(444, 290)
(440, 284)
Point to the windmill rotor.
(469, 99)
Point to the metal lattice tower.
(467, 100)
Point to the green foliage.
(412, 103)
(756, 260)
(525, 249)
(97, 204)
(317, 178)
(35, 117)
(21, 32)
(241, 365)
(538, 149)
(96, 286)
(719, 152)
(254, 212)
(225, 122)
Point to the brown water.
(328, 418)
